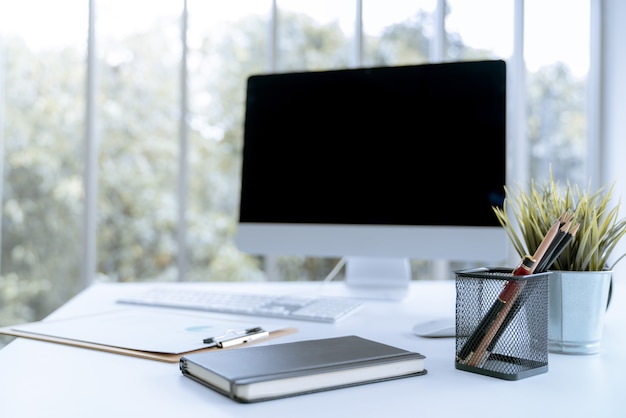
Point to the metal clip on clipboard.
(235, 337)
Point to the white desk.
(39, 379)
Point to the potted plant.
(580, 276)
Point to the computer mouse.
(439, 327)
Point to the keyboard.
(306, 308)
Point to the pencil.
(478, 356)
(471, 345)
(561, 246)
(524, 295)
(545, 244)
(481, 353)
(562, 239)
(552, 249)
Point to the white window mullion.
(612, 96)
(183, 160)
(594, 88)
(270, 263)
(272, 47)
(438, 41)
(518, 158)
(357, 58)
(90, 176)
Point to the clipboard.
(159, 335)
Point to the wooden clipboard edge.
(166, 357)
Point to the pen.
(241, 337)
(524, 295)
(503, 298)
(244, 339)
(479, 355)
(562, 238)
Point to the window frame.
(518, 167)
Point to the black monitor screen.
(408, 145)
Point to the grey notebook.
(253, 374)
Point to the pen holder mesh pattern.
(501, 323)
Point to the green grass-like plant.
(527, 216)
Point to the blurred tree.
(138, 156)
(405, 43)
(138, 110)
(43, 196)
(557, 124)
(306, 45)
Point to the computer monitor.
(379, 165)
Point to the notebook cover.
(253, 365)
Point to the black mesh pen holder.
(501, 323)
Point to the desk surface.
(39, 379)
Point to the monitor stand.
(377, 278)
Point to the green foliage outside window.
(138, 113)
